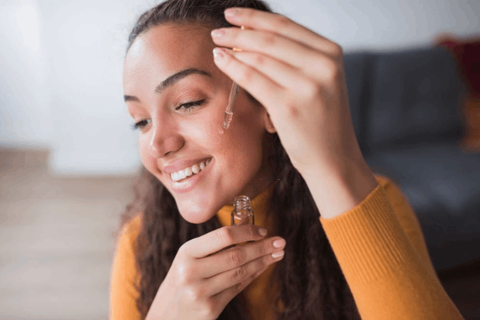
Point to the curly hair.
(310, 281)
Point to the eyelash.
(189, 106)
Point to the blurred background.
(68, 154)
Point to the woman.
(353, 248)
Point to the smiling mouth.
(193, 174)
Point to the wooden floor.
(56, 243)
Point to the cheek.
(145, 156)
(241, 143)
(205, 133)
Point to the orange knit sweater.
(378, 244)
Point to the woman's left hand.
(298, 76)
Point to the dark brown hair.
(311, 283)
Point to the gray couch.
(407, 116)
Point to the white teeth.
(187, 172)
(195, 168)
(181, 175)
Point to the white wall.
(73, 101)
(24, 91)
(384, 24)
(86, 42)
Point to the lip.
(188, 184)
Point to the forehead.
(167, 49)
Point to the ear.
(268, 123)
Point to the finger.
(224, 297)
(282, 25)
(227, 279)
(278, 71)
(235, 257)
(220, 238)
(268, 43)
(261, 87)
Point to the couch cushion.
(442, 184)
(357, 67)
(415, 95)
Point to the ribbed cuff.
(368, 239)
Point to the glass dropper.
(231, 104)
(227, 118)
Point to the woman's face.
(170, 132)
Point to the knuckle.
(308, 88)
(224, 235)
(236, 257)
(194, 294)
(184, 248)
(331, 70)
(239, 273)
(247, 75)
(239, 286)
(269, 40)
(283, 21)
(210, 309)
(265, 247)
(291, 108)
(183, 273)
(337, 50)
(259, 59)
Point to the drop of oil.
(221, 131)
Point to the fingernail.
(231, 12)
(262, 231)
(217, 33)
(218, 53)
(278, 254)
(279, 243)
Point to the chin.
(196, 216)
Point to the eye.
(141, 124)
(189, 106)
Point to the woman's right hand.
(206, 274)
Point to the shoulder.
(124, 277)
(132, 227)
(129, 232)
(125, 247)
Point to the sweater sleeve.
(123, 292)
(380, 248)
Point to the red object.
(467, 53)
(467, 56)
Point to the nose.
(164, 139)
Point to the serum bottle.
(242, 213)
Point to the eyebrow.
(171, 80)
